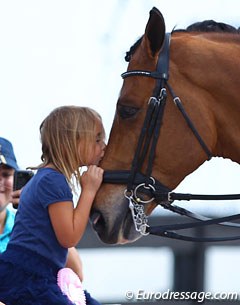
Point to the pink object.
(71, 286)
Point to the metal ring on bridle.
(129, 192)
(150, 186)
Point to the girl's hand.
(92, 179)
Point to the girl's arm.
(74, 262)
(68, 223)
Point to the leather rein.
(146, 184)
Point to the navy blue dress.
(29, 266)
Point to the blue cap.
(7, 155)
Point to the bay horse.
(195, 72)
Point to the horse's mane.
(211, 26)
(202, 26)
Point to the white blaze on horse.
(179, 106)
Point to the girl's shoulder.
(50, 184)
(48, 171)
(49, 177)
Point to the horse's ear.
(155, 31)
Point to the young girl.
(46, 223)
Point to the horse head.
(178, 152)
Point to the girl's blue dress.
(29, 279)
(29, 266)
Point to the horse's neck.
(225, 108)
(214, 70)
(228, 126)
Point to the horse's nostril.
(95, 218)
(97, 221)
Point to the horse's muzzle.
(121, 231)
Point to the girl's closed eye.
(99, 138)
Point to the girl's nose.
(104, 145)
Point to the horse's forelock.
(133, 49)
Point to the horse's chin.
(120, 232)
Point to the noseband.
(144, 184)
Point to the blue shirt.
(33, 228)
(5, 236)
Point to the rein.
(146, 184)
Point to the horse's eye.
(126, 112)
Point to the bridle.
(139, 183)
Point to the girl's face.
(98, 148)
(6, 184)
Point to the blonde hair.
(61, 133)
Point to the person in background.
(47, 224)
(8, 165)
